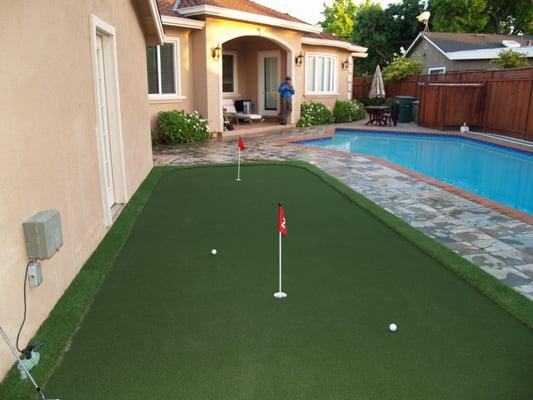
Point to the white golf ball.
(214, 252)
(393, 327)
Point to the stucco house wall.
(201, 86)
(48, 148)
(343, 75)
(185, 98)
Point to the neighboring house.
(238, 49)
(442, 52)
(74, 134)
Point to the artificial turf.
(172, 321)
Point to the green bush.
(177, 126)
(375, 101)
(348, 111)
(314, 113)
(510, 59)
(401, 68)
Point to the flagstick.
(280, 294)
(239, 167)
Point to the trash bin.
(416, 107)
(406, 108)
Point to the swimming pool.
(498, 173)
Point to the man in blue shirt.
(286, 92)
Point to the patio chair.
(391, 118)
(231, 112)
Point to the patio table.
(377, 115)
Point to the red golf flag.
(282, 221)
(241, 144)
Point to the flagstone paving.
(499, 244)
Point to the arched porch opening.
(252, 65)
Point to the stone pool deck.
(495, 241)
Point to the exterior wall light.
(216, 52)
(299, 59)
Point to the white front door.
(269, 80)
(103, 122)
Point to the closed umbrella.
(378, 87)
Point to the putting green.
(171, 321)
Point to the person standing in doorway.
(286, 92)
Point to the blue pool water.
(495, 172)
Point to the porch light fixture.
(345, 64)
(216, 52)
(299, 59)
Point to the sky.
(308, 10)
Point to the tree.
(401, 68)
(339, 18)
(372, 30)
(459, 15)
(510, 59)
(510, 17)
(403, 25)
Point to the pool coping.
(483, 201)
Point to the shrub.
(314, 113)
(348, 111)
(401, 68)
(375, 101)
(177, 126)
(510, 59)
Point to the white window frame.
(235, 75)
(437, 70)
(177, 75)
(334, 77)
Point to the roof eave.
(486, 54)
(246, 16)
(180, 22)
(334, 43)
(155, 18)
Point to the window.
(439, 70)
(162, 70)
(321, 74)
(229, 72)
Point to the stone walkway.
(498, 244)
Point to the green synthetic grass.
(172, 321)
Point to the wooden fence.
(499, 101)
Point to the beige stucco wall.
(247, 49)
(343, 75)
(207, 83)
(185, 98)
(48, 147)
(204, 71)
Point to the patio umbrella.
(378, 87)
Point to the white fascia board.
(182, 22)
(487, 54)
(413, 44)
(154, 10)
(422, 36)
(359, 55)
(334, 43)
(246, 16)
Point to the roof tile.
(166, 7)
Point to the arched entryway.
(252, 65)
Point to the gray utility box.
(43, 235)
